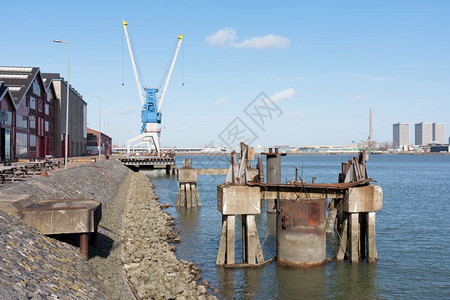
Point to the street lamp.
(99, 124)
(66, 142)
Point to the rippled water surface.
(413, 234)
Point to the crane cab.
(149, 113)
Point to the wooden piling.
(230, 239)
(220, 260)
(343, 240)
(354, 237)
(188, 195)
(372, 255)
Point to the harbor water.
(413, 233)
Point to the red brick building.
(7, 124)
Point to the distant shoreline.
(321, 153)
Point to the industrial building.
(92, 143)
(77, 116)
(400, 135)
(32, 110)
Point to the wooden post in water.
(358, 210)
(241, 200)
(188, 195)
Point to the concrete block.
(63, 216)
(238, 200)
(186, 175)
(12, 204)
(363, 199)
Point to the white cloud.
(221, 37)
(283, 95)
(270, 41)
(220, 101)
(226, 37)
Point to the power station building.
(400, 135)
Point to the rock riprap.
(148, 257)
(34, 266)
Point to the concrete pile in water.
(33, 266)
(150, 264)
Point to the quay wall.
(134, 258)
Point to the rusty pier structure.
(305, 212)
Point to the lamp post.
(66, 140)
(99, 124)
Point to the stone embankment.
(134, 258)
(33, 266)
(150, 264)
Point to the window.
(47, 109)
(36, 88)
(32, 103)
(41, 105)
(46, 126)
(22, 122)
(32, 140)
(6, 117)
(22, 145)
(32, 122)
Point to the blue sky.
(324, 62)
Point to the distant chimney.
(370, 125)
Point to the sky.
(316, 66)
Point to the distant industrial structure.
(429, 133)
(425, 134)
(400, 135)
(439, 133)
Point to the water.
(413, 237)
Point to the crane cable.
(182, 66)
(123, 33)
(141, 76)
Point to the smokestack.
(370, 125)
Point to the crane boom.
(161, 100)
(133, 63)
